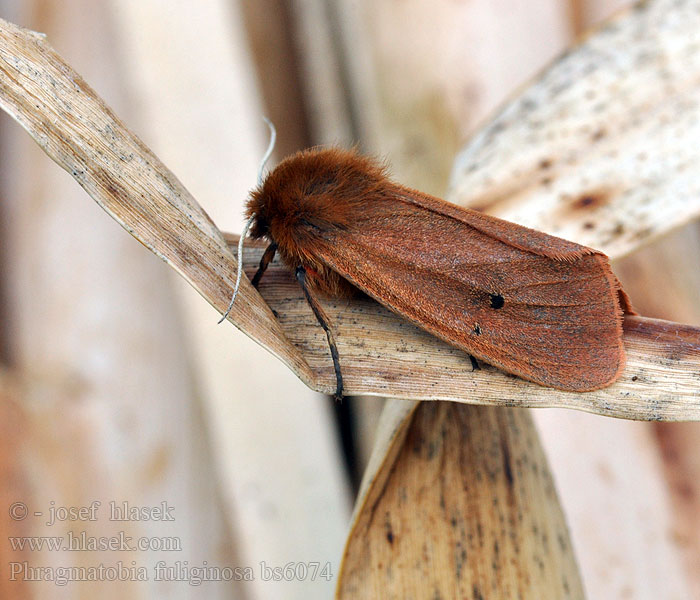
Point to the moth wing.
(532, 304)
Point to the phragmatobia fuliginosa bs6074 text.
(540, 307)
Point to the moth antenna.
(270, 148)
(244, 233)
(239, 272)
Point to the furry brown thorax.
(305, 196)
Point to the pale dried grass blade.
(466, 509)
(603, 147)
(78, 131)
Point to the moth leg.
(323, 320)
(475, 365)
(266, 259)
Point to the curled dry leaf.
(380, 353)
(467, 509)
(74, 126)
(603, 147)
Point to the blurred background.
(117, 386)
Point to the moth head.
(318, 187)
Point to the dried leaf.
(603, 147)
(467, 509)
(77, 130)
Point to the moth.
(534, 305)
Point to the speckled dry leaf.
(603, 147)
(468, 510)
(77, 130)
(390, 434)
(381, 354)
